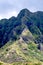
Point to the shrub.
(38, 63)
(1, 63)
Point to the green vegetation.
(21, 51)
(21, 63)
(18, 38)
(11, 29)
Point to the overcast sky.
(10, 8)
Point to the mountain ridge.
(22, 50)
(21, 38)
(25, 18)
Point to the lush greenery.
(10, 29)
(21, 63)
(21, 39)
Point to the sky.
(9, 8)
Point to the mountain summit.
(11, 29)
(21, 38)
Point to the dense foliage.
(10, 29)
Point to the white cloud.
(12, 13)
(1, 17)
(10, 8)
(9, 14)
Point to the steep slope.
(11, 29)
(6, 27)
(37, 18)
(25, 17)
(21, 39)
(27, 35)
(21, 50)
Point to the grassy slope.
(30, 50)
(20, 63)
(21, 51)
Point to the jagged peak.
(24, 12)
(25, 9)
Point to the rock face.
(11, 29)
(27, 35)
(41, 47)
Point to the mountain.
(12, 28)
(21, 37)
(22, 50)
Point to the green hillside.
(11, 29)
(21, 39)
(21, 51)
